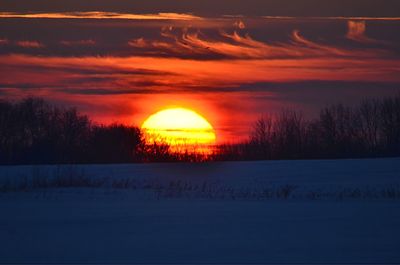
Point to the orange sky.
(229, 69)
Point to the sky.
(231, 61)
(377, 8)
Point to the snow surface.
(205, 213)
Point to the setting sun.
(178, 127)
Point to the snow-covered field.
(345, 211)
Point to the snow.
(136, 224)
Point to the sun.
(178, 127)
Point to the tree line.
(33, 131)
(369, 129)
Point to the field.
(344, 211)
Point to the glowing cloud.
(138, 43)
(239, 24)
(356, 32)
(333, 18)
(30, 44)
(320, 49)
(100, 15)
(78, 43)
(237, 46)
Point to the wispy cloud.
(99, 86)
(357, 32)
(173, 16)
(172, 74)
(333, 18)
(139, 43)
(100, 15)
(88, 42)
(239, 24)
(191, 43)
(29, 44)
(3, 41)
(318, 49)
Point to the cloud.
(172, 75)
(175, 16)
(229, 38)
(29, 44)
(317, 49)
(100, 15)
(353, 18)
(106, 91)
(99, 86)
(88, 42)
(23, 86)
(316, 85)
(357, 32)
(239, 24)
(138, 43)
(228, 7)
(4, 41)
(195, 44)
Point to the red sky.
(123, 66)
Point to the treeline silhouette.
(33, 131)
(370, 129)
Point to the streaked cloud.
(29, 44)
(205, 39)
(239, 24)
(87, 42)
(171, 75)
(176, 16)
(372, 18)
(173, 16)
(357, 32)
(139, 43)
(100, 15)
(195, 43)
(302, 8)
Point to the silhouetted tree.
(261, 138)
(34, 132)
(371, 129)
(390, 124)
(114, 144)
(289, 134)
(370, 124)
